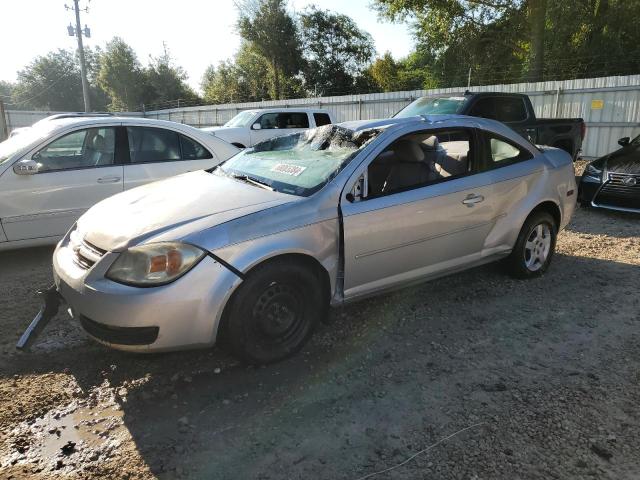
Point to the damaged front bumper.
(51, 304)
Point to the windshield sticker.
(287, 169)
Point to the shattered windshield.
(300, 163)
(432, 106)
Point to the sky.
(197, 32)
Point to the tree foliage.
(273, 33)
(53, 82)
(504, 41)
(122, 77)
(335, 50)
(410, 73)
(167, 82)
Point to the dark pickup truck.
(513, 109)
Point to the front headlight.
(593, 172)
(154, 264)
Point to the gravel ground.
(534, 379)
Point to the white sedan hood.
(201, 198)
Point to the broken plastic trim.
(49, 309)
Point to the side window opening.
(284, 120)
(502, 152)
(192, 150)
(92, 147)
(420, 159)
(321, 119)
(153, 144)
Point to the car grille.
(85, 254)
(620, 192)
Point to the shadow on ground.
(535, 361)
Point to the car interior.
(420, 159)
(152, 144)
(85, 148)
(284, 120)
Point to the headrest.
(408, 151)
(98, 142)
(431, 143)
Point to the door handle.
(472, 199)
(108, 179)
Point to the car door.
(156, 153)
(75, 171)
(395, 235)
(276, 124)
(515, 172)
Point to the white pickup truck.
(253, 126)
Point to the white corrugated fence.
(610, 106)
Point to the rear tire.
(534, 248)
(273, 313)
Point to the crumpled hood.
(199, 198)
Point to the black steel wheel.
(274, 312)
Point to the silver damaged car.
(253, 252)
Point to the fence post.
(359, 108)
(555, 110)
(4, 124)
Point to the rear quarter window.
(321, 119)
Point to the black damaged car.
(613, 181)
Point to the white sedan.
(53, 172)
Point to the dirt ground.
(537, 380)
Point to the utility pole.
(78, 32)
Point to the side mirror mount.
(26, 167)
(624, 141)
(256, 126)
(356, 193)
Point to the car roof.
(87, 120)
(287, 109)
(440, 121)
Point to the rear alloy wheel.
(273, 313)
(535, 246)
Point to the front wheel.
(535, 246)
(274, 312)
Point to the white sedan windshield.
(20, 142)
(301, 163)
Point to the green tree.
(168, 81)
(122, 78)
(273, 33)
(484, 35)
(245, 78)
(335, 50)
(50, 82)
(53, 82)
(6, 91)
(410, 73)
(513, 40)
